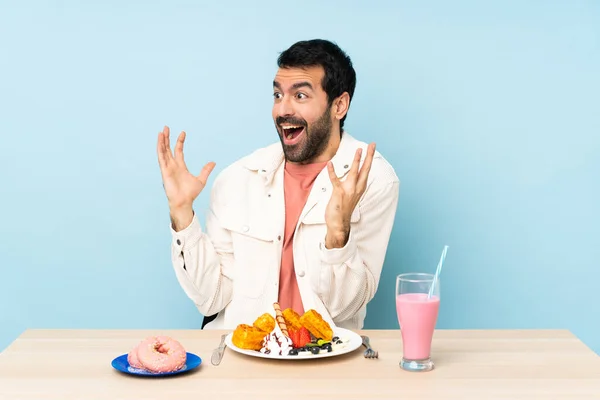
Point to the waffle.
(265, 323)
(292, 319)
(316, 325)
(251, 337)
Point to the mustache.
(290, 120)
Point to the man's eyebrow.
(302, 84)
(295, 85)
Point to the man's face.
(301, 113)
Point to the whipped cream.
(276, 343)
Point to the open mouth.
(292, 133)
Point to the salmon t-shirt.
(297, 182)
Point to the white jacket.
(232, 268)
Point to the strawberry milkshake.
(417, 311)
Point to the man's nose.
(285, 108)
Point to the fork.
(218, 352)
(369, 353)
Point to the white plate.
(353, 342)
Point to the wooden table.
(490, 364)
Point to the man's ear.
(340, 105)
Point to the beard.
(314, 141)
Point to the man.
(305, 222)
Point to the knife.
(217, 354)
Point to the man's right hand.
(181, 186)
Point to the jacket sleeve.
(350, 275)
(203, 261)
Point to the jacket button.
(245, 228)
(279, 237)
(300, 274)
(179, 242)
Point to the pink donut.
(161, 354)
(133, 359)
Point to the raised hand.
(345, 197)
(181, 186)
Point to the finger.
(355, 164)
(179, 147)
(366, 167)
(332, 176)
(161, 158)
(160, 150)
(203, 176)
(167, 140)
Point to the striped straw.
(437, 271)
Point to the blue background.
(489, 113)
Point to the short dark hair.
(339, 76)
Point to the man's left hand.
(345, 197)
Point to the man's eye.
(277, 95)
(301, 96)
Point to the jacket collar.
(266, 161)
